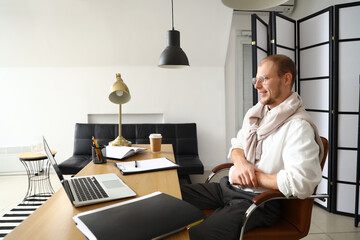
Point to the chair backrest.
(296, 212)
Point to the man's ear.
(287, 79)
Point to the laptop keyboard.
(88, 188)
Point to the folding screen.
(260, 46)
(347, 51)
(315, 78)
(329, 83)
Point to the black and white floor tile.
(18, 214)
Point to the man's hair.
(284, 65)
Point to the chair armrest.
(257, 201)
(222, 167)
(276, 194)
(217, 169)
(266, 196)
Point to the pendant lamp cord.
(172, 13)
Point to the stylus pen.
(136, 164)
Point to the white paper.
(145, 165)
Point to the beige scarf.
(288, 110)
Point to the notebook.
(152, 216)
(121, 152)
(91, 189)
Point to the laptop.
(91, 189)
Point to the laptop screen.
(52, 160)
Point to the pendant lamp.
(173, 56)
(252, 4)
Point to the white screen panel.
(286, 35)
(349, 17)
(260, 55)
(347, 165)
(284, 51)
(315, 94)
(322, 189)
(349, 76)
(321, 121)
(347, 130)
(261, 35)
(314, 62)
(346, 198)
(312, 31)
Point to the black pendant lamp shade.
(173, 56)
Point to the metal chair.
(295, 220)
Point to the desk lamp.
(119, 94)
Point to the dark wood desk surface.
(53, 220)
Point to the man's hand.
(244, 173)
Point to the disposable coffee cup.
(155, 142)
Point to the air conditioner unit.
(285, 8)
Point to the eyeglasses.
(262, 80)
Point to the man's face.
(275, 89)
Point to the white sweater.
(291, 152)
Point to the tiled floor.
(324, 226)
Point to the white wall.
(59, 59)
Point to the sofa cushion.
(74, 164)
(190, 164)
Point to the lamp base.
(120, 141)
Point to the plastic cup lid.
(155, 135)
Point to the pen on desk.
(136, 164)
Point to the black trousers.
(230, 206)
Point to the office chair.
(295, 220)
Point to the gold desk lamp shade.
(119, 94)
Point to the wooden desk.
(53, 220)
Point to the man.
(278, 147)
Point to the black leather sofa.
(182, 136)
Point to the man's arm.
(268, 181)
(302, 172)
